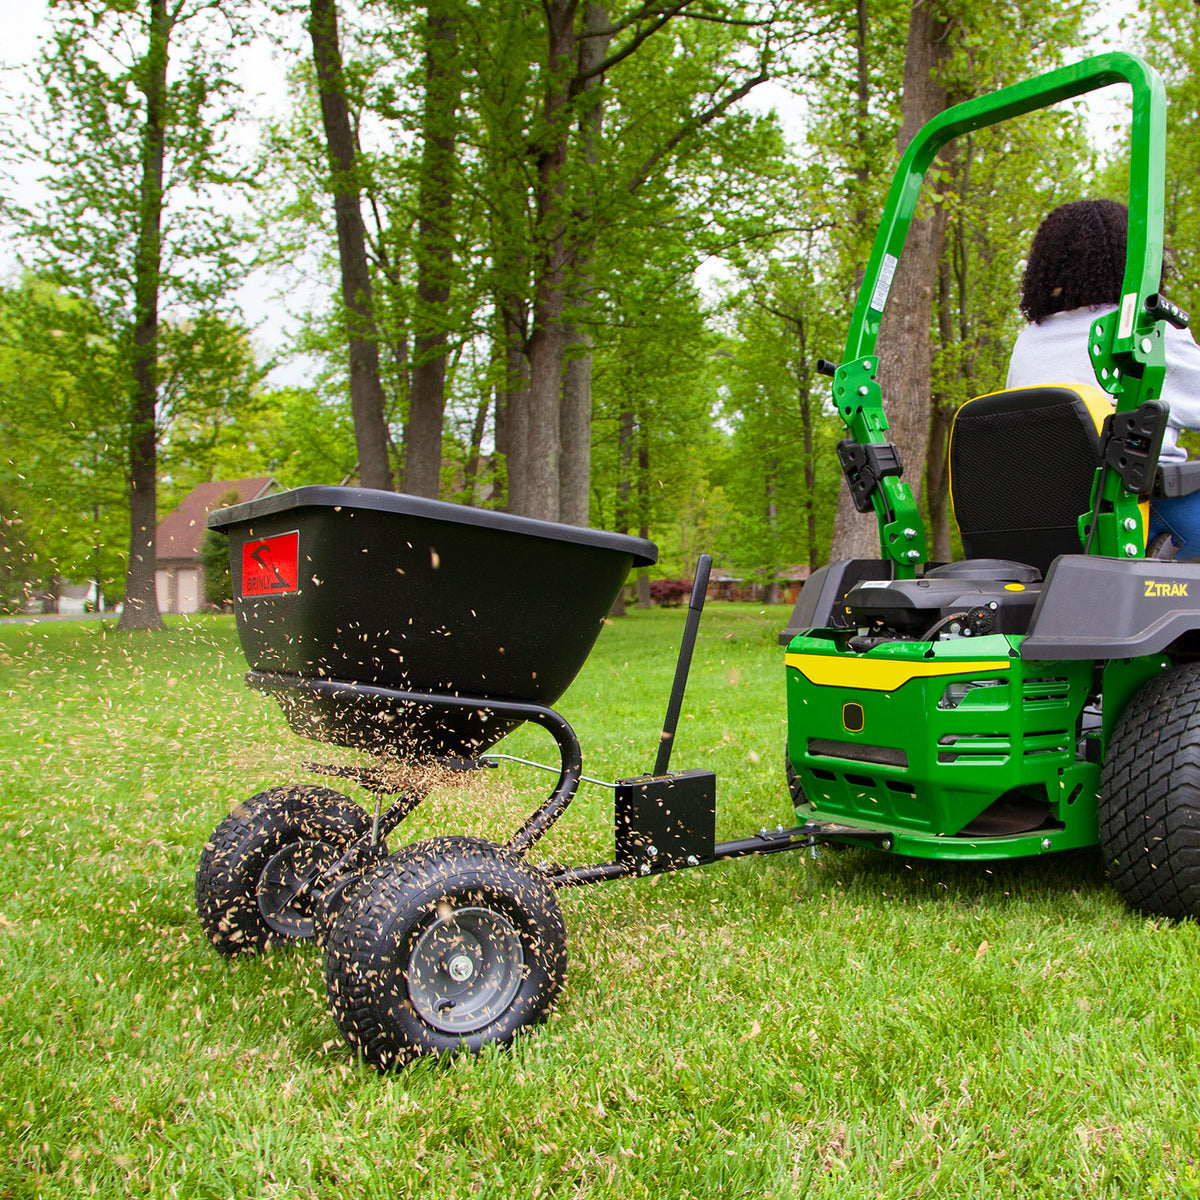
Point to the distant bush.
(669, 592)
(214, 554)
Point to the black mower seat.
(1021, 469)
(1022, 464)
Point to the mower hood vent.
(975, 748)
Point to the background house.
(180, 572)
(724, 584)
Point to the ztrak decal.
(270, 566)
(1154, 588)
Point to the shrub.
(669, 592)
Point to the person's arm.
(1181, 389)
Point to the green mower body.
(1013, 704)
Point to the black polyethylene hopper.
(382, 588)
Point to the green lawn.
(851, 1026)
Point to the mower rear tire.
(795, 790)
(254, 882)
(453, 944)
(1149, 807)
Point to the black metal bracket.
(865, 464)
(1130, 443)
(766, 841)
(666, 821)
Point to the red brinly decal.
(270, 566)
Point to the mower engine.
(963, 599)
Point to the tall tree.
(575, 426)
(134, 102)
(366, 391)
(577, 193)
(434, 250)
(904, 341)
(1168, 33)
(782, 475)
(954, 50)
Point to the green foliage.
(62, 439)
(998, 183)
(127, 129)
(781, 472)
(214, 557)
(210, 389)
(1167, 32)
(17, 560)
(699, 416)
(84, 131)
(652, 418)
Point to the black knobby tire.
(452, 944)
(795, 789)
(1149, 806)
(257, 855)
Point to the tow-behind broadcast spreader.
(1043, 694)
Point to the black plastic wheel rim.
(465, 970)
(285, 890)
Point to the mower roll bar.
(1126, 346)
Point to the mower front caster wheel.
(259, 878)
(1149, 806)
(451, 945)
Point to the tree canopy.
(575, 260)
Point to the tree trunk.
(937, 475)
(366, 390)
(575, 462)
(771, 594)
(862, 117)
(512, 406)
(575, 465)
(624, 489)
(938, 483)
(643, 503)
(140, 610)
(475, 458)
(546, 343)
(434, 254)
(904, 344)
(805, 398)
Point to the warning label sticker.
(883, 285)
(271, 566)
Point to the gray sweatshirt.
(1056, 351)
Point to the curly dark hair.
(1077, 258)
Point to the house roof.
(180, 533)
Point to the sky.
(262, 77)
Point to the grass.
(850, 1026)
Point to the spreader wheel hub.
(466, 967)
(460, 968)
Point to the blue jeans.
(1180, 517)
